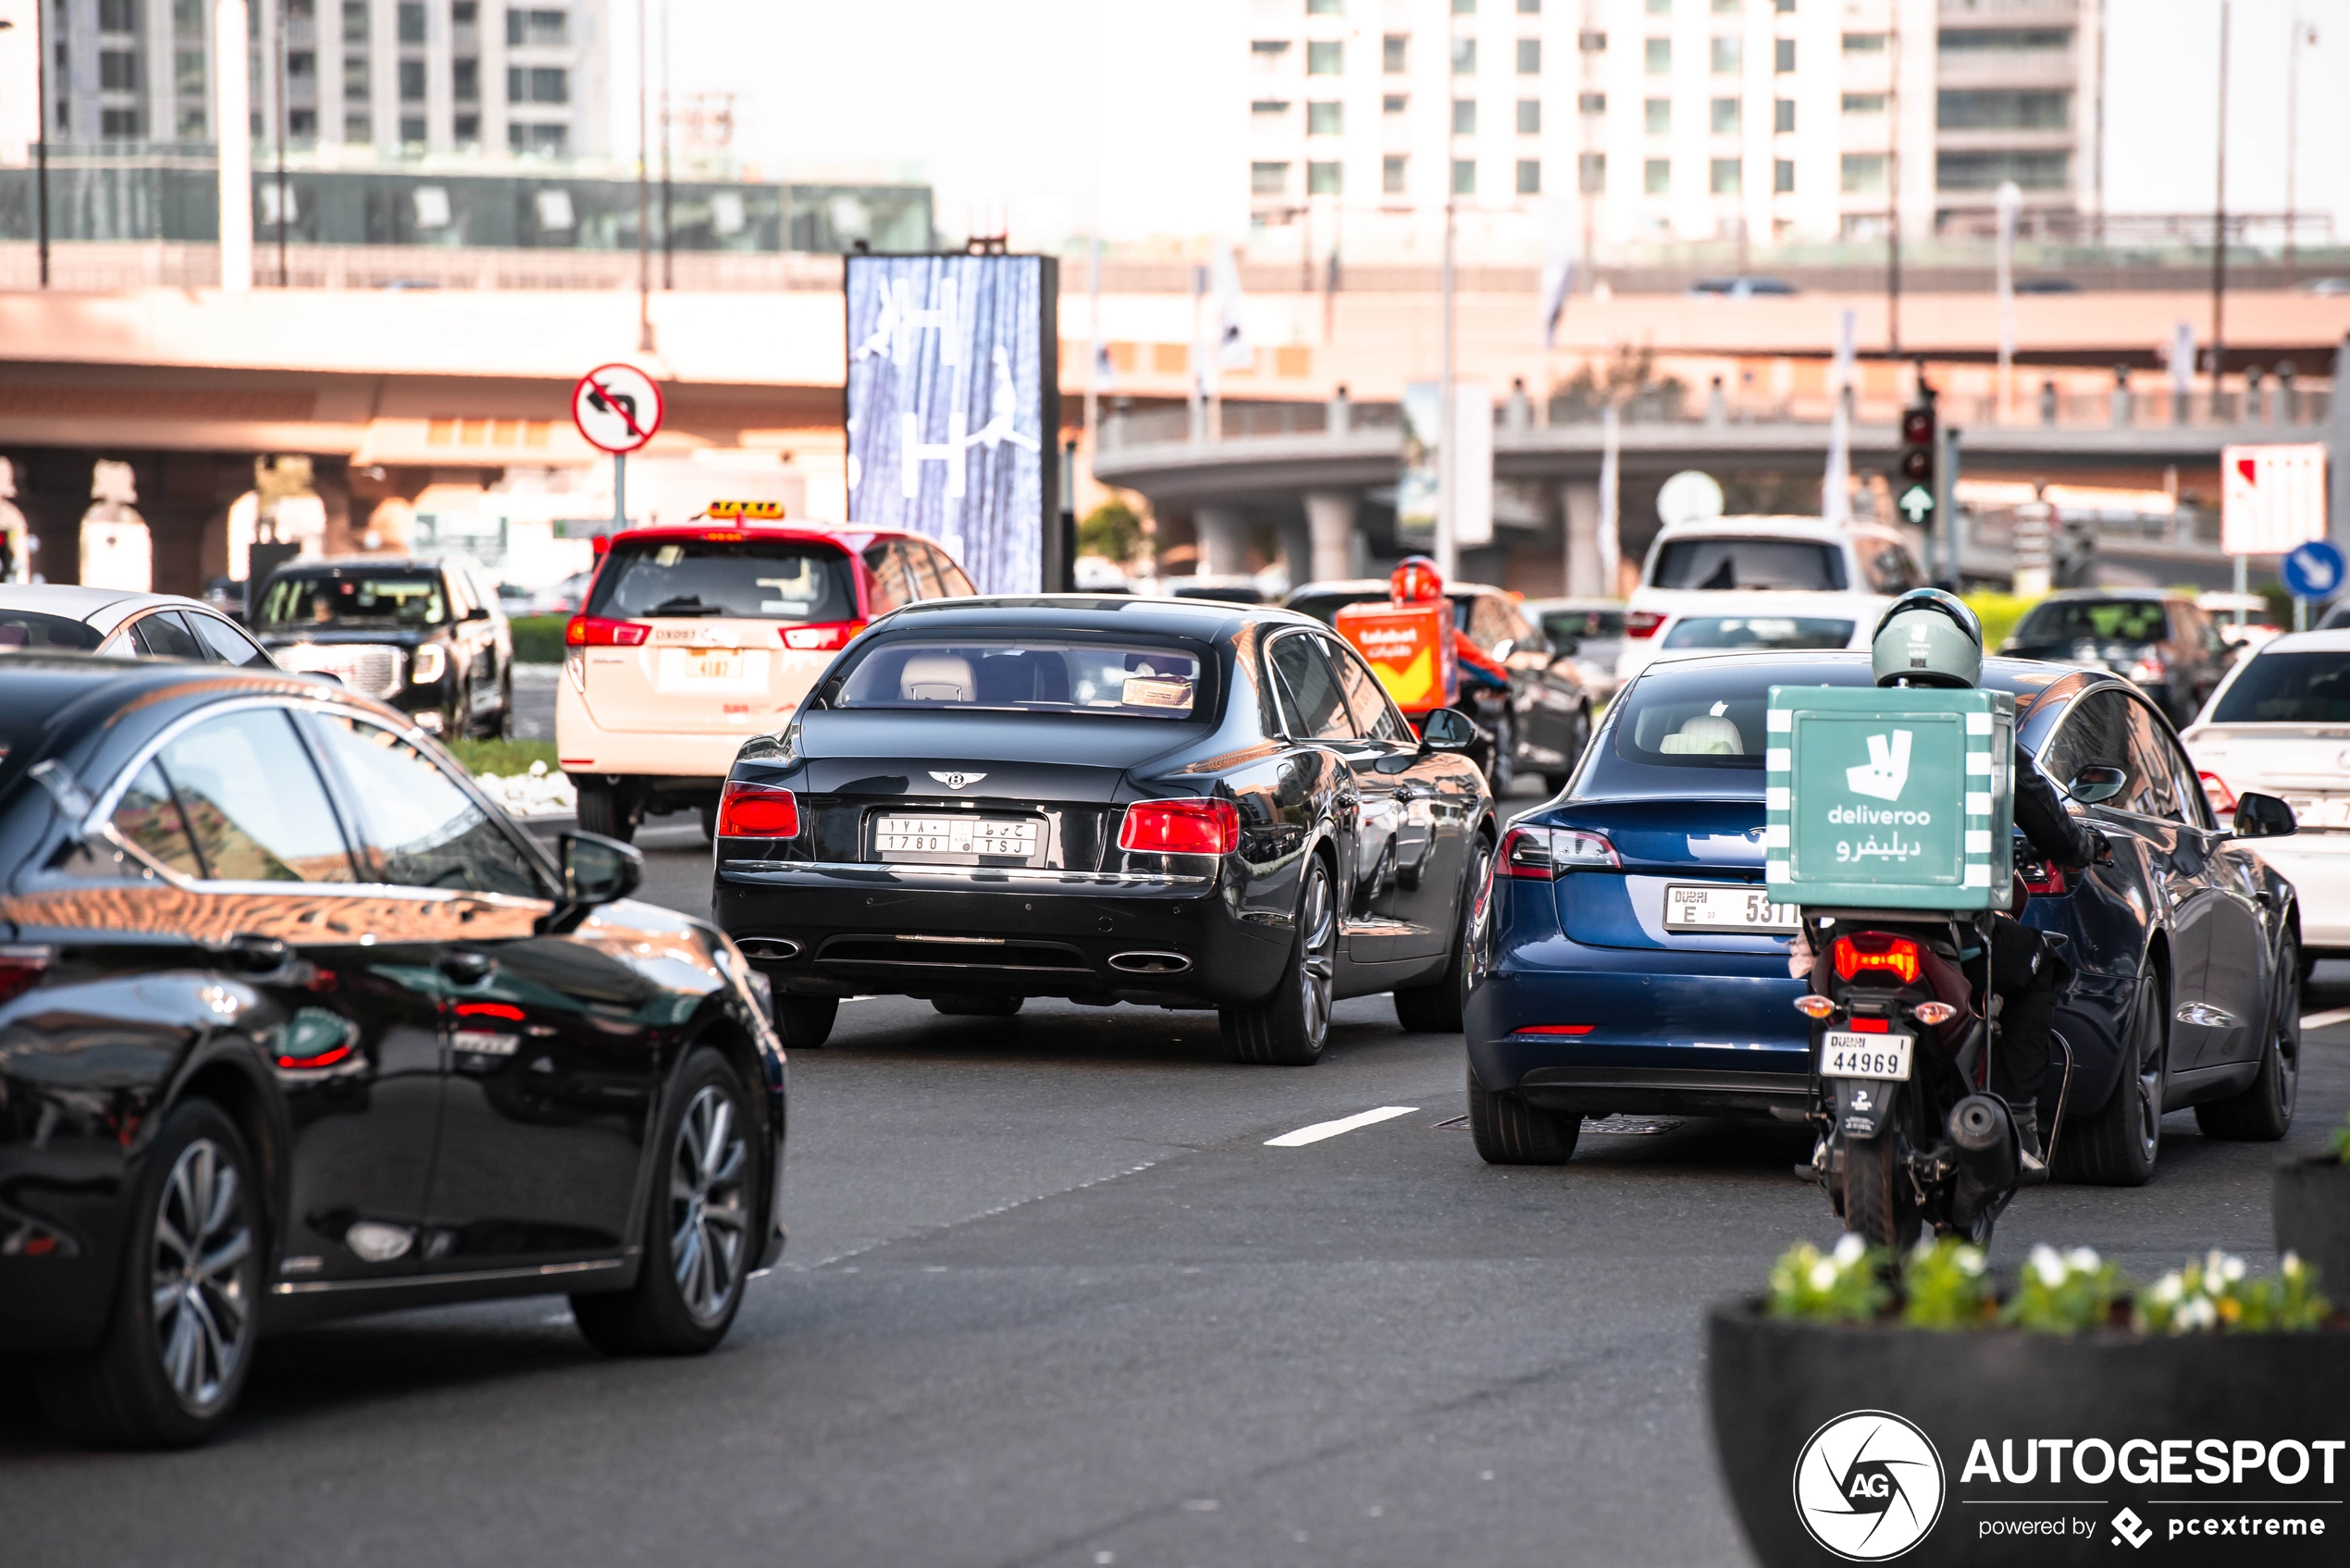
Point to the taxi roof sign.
(749, 511)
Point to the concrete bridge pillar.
(1329, 521)
(1223, 540)
(1586, 572)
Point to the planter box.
(1978, 1401)
(2311, 1211)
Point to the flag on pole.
(1836, 486)
(1558, 271)
(1233, 351)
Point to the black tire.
(1879, 1205)
(1437, 1007)
(710, 820)
(2262, 1113)
(1289, 1027)
(171, 1381)
(702, 1228)
(610, 811)
(978, 1006)
(1509, 1132)
(805, 1022)
(2118, 1144)
(504, 728)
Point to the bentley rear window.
(1121, 679)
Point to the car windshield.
(1048, 677)
(1758, 631)
(34, 632)
(2289, 688)
(354, 599)
(1724, 564)
(747, 578)
(2092, 620)
(1583, 624)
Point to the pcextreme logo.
(1886, 771)
(1868, 1485)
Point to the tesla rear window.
(2289, 688)
(1680, 722)
(1749, 563)
(358, 599)
(746, 579)
(1130, 680)
(2092, 620)
(33, 632)
(1758, 631)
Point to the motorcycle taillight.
(1877, 952)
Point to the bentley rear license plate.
(1846, 1053)
(1733, 907)
(950, 840)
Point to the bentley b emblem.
(957, 781)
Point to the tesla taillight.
(1873, 951)
(595, 630)
(830, 635)
(756, 810)
(1540, 854)
(1195, 825)
(1641, 622)
(20, 971)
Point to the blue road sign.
(2315, 569)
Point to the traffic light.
(1913, 471)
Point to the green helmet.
(1927, 638)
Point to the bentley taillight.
(757, 810)
(1192, 825)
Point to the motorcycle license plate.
(1741, 907)
(1846, 1053)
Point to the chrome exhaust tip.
(768, 949)
(1149, 963)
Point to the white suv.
(1731, 565)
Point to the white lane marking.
(2324, 1021)
(1322, 1129)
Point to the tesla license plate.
(1743, 907)
(1846, 1054)
(955, 840)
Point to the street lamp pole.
(41, 140)
(668, 256)
(2219, 226)
(1447, 416)
(644, 197)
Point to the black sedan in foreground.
(295, 1024)
(1109, 799)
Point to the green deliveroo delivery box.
(1889, 798)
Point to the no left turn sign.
(617, 407)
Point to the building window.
(1660, 7)
(1390, 173)
(1591, 103)
(1656, 177)
(411, 83)
(1865, 103)
(465, 81)
(1865, 43)
(534, 84)
(545, 140)
(1395, 103)
(355, 77)
(1953, 41)
(1984, 172)
(1465, 8)
(464, 13)
(1660, 56)
(1268, 179)
(1529, 57)
(302, 65)
(1726, 7)
(1783, 56)
(465, 131)
(1530, 7)
(1729, 54)
(118, 70)
(1727, 115)
(1786, 8)
(412, 130)
(1529, 177)
(189, 17)
(118, 125)
(1728, 176)
(1326, 7)
(2047, 110)
(1395, 54)
(1863, 174)
(187, 72)
(356, 130)
(412, 28)
(549, 28)
(116, 15)
(1529, 116)
(1323, 179)
(1658, 116)
(1268, 108)
(1323, 119)
(302, 125)
(1783, 116)
(1590, 173)
(1324, 58)
(1783, 176)
(1464, 56)
(1592, 42)
(1464, 177)
(1269, 53)
(1464, 117)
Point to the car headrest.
(936, 677)
(1705, 735)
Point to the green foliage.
(1112, 530)
(2279, 600)
(2214, 1294)
(1845, 1286)
(2341, 1142)
(1999, 613)
(2064, 1293)
(503, 758)
(538, 639)
(1944, 1285)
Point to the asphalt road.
(1051, 1300)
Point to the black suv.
(426, 635)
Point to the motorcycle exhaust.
(1984, 1138)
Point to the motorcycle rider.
(1928, 637)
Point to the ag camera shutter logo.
(1868, 1486)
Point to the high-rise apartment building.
(1663, 119)
(400, 77)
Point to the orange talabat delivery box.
(1407, 650)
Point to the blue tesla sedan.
(1630, 962)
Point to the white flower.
(538, 770)
(2214, 1261)
(2047, 1265)
(2289, 1263)
(2082, 1259)
(2199, 1313)
(2231, 1269)
(1823, 1276)
(1850, 1248)
(2169, 1288)
(1971, 1261)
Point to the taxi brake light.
(595, 630)
(824, 636)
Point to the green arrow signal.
(1918, 502)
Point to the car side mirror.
(1447, 729)
(599, 869)
(1504, 648)
(1565, 648)
(2263, 816)
(2096, 782)
(478, 612)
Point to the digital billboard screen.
(954, 409)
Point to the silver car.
(65, 618)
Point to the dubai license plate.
(958, 839)
(1741, 907)
(1846, 1054)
